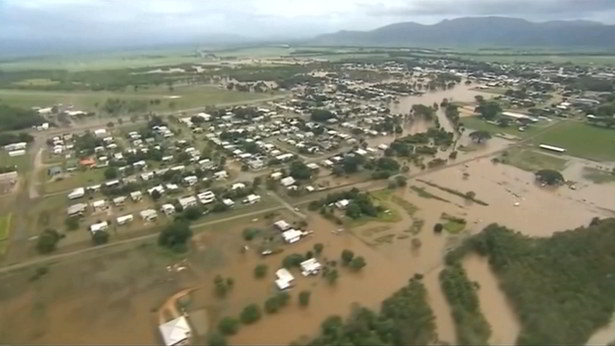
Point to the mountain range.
(480, 31)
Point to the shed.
(175, 332)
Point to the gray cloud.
(176, 20)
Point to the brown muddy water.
(493, 303)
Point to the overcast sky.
(164, 19)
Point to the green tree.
(357, 263)
(250, 314)
(353, 210)
(216, 339)
(549, 177)
(111, 173)
(260, 271)
(228, 326)
(331, 276)
(489, 109)
(47, 241)
(72, 223)
(100, 237)
(304, 298)
(347, 256)
(300, 170)
(175, 236)
(480, 136)
(292, 260)
(193, 213)
(437, 228)
(318, 247)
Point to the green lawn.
(5, 226)
(180, 98)
(532, 161)
(454, 227)
(475, 123)
(582, 140)
(23, 162)
(77, 179)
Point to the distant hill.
(481, 31)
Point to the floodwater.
(493, 303)
(460, 93)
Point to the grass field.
(581, 140)
(475, 123)
(5, 226)
(598, 176)
(532, 161)
(557, 59)
(77, 179)
(23, 163)
(180, 98)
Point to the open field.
(475, 123)
(5, 222)
(109, 60)
(180, 98)
(532, 161)
(582, 140)
(74, 180)
(23, 162)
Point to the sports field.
(581, 140)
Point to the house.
(251, 199)
(119, 201)
(342, 203)
(220, 175)
(187, 202)
(76, 193)
(175, 332)
(122, 220)
(228, 202)
(100, 132)
(171, 187)
(136, 196)
(15, 146)
(276, 175)
(238, 186)
(206, 197)
(53, 171)
(310, 267)
(76, 209)
(99, 205)
(112, 183)
(284, 278)
(288, 181)
(148, 215)
(97, 227)
(93, 188)
(281, 225)
(168, 209)
(291, 236)
(87, 162)
(158, 188)
(16, 153)
(191, 180)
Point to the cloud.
(168, 20)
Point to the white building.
(291, 236)
(122, 220)
(136, 196)
(76, 209)
(148, 215)
(97, 227)
(282, 225)
(310, 267)
(288, 181)
(187, 202)
(168, 209)
(251, 199)
(76, 193)
(342, 203)
(175, 332)
(284, 278)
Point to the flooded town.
(288, 195)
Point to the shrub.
(250, 314)
(357, 263)
(47, 241)
(228, 326)
(304, 298)
(347, 256)
(260, 271)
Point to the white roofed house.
(191, 180)
(76, 193)
(288, 181)
(148, 215)
(76, 209)
(168, 209)
(186, 202)
(251, 199)
(122, 220)
(176, 332)
(220, 175)
(136, 196)
(98, 227)
(119, 201)
(99, 205)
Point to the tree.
(318, 247)
(353, 210)
(250, 314)
(489, 109)
(228, 326)
(321, 115)
(100, 237)
(549, 177)
(47, 241)
(480, 136)
(175, 236)
(216, 339)
(156, 195)
(251, 233)
(111, 173)
(292, 260)
(437, 228)
(470, 195)
(304, 298)
(260, 271)
(300, 170)
(193, 213)
(347, 256)
(72, 223)
(331, 276)
(357, 263)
